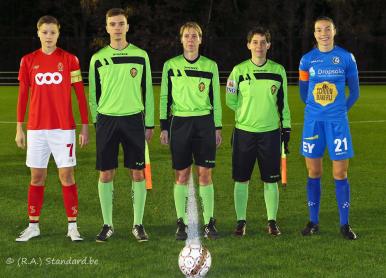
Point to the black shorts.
(249, 146)
(193, 137)
(114, 130)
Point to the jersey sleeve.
(165, 96)
(24, 85)
(93, 87)
(231, 97)
(149, 99)
(284, 111)
(77, 83)
(352, 80)
(303, 79)
(217, 110)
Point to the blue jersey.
(325, 74)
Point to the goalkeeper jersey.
(120, 83)
(258, 95)
(326, 74)
(190, 88)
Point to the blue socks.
(313, 198)
(342, 191)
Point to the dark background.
(154, 26)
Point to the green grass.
(256, 255)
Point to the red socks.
(70, 199)
(35, 202)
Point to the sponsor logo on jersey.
(325, 93)
(312, 137)
(312, 71)
(273, 89)
(191, 68)
(331, 72)
(317, 61)
(133, 72)
(201, 86)
(120, 54)
(335, 60)
(35, 67)
(231, 87)
(48, 78)
(60, 66)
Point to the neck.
(258, 61)
(191, 56)
(325, 48)
(48, 50)
(121, 44)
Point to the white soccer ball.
(194, 260)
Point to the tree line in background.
(154, 26)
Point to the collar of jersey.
(193, 61)
(266, 61)
(128, 44)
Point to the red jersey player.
(48, 74)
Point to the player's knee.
(182, 177)
(137, 175)
(339, 175)
(315, 172)
(205, 179)
(38, 178)
(106, 176)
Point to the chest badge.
(133, 72)
(273, 89)
(201, 86)
(60, 66)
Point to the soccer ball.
(194, 260)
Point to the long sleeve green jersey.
(258, 95)
(190, 88)
(120, 83)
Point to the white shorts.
(41, 143)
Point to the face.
(259, 46)
(48, 35)
(324, 33)
(117, 27)
(190, 40)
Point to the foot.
(106, 232)
(273, 228)
(210, 230)
(140, 233)
(181, 230)
(347, 232)
(310, 229)
(27, 234)
(240, 228)
(73, 233)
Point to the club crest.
(273, 89)
(133, 72)
(201, 86)
(60, 66)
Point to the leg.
(206, 192)
(70, 192)
(106, 189)
(342, 189)
(36, 193)
(181, 193)
(315, 169)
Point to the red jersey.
(50, 78)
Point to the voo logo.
(48, 78)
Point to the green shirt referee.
(257, 92)
(190, 114)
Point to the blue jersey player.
(323, 74)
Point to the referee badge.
(201, 86)
(133, 72)
(273, 89)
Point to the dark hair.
(261, 31)
(114, 12)
(47, 19)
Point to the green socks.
(139, 199)
(241, 199)
(271, 197)
(106, 199)
(207, 200)
(181, 200)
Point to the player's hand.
(20, 137)
(149, 134)
(83, 136)
(164, 137)
(285, 138)
(218, 137)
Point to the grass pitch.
(256, 255)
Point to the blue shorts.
(335, 134)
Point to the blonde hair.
(191, 24)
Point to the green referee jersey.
(258, 95)
(120, 83)
(190, 88)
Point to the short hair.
(260, 31)
(114, 12)
(47, 19)
(326, 18)
(191, 24)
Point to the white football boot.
(31, 231)
(73, 232)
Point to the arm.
(166, 88)
(353, 85)
(149, 102)
(80, 95)
(93, 77)
(303, 86)
(231, 98)
(285, 114)
(22, 104)
(304, 78)
(217, 109)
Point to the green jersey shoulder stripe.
(190, 88)
(258, 95)
(120, 83)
